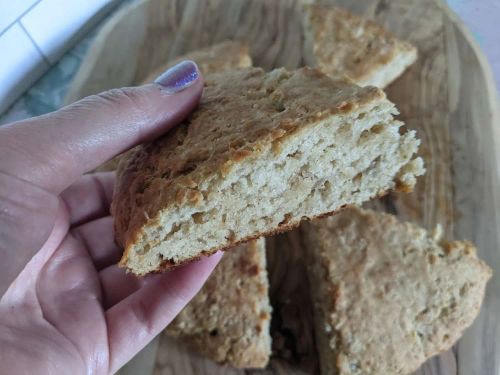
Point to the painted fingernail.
(178, 77)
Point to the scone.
(214, 59)
(261, 152)
(228, 321)
(388, 295)
(218, 58)
(339, 42)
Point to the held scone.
(262, 152)
(388, 295)
(218, 58)
(229, 319)
(339, 42)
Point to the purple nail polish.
(178, 77)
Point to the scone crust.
(228, 320)
(346, 44)
(388, 295)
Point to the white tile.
(11, 10)
(21, 65)
(54, 24)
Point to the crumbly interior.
(344, 159)
(388, 295)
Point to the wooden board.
(448, 96)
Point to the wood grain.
(448, 97)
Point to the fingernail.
(178, 77)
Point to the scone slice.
(339, 42)
(388, 295)
(262, 152)
(228, 55)
(228, 321)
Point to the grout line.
(34, 44)
(19, 18)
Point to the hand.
(66, 307)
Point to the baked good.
(261, 152)
(339, 42)
(214, 59)
(110, 165)
(217, 58)
(228, 320)
(388, 295)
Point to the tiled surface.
(34, 34)
(12, 10)
(48, 93)
(21, 66)
(52, 23)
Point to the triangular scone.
(261, 152)
(339, 42)
(388, 295)
(214, 59)
(228, 321)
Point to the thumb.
(51, 151)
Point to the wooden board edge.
(493, 97)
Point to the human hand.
(65, 305)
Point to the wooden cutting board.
(448, 96)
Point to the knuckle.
(118, 95)
(126, 97)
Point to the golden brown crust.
(110, 165)
(345, 44)
(228, 320)
(241, 112)
(388, 295)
